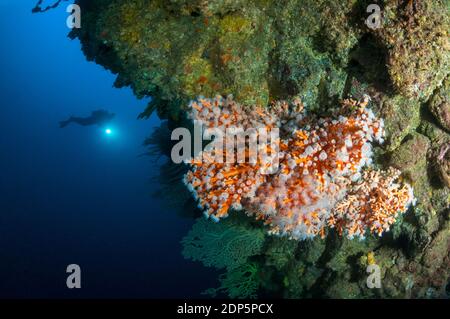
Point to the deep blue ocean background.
(78, 195)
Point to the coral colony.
(315, 175)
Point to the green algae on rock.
(439, 105)
(263, 51)
(415, 34)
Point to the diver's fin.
(63, 124)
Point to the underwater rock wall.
(319, 51)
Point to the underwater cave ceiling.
(320, 51)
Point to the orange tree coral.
(320, 182)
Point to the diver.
(98, 117)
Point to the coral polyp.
(372, 203)
(312, 177)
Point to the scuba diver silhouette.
(98, 117)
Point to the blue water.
(78, 195)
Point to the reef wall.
(319, 51)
